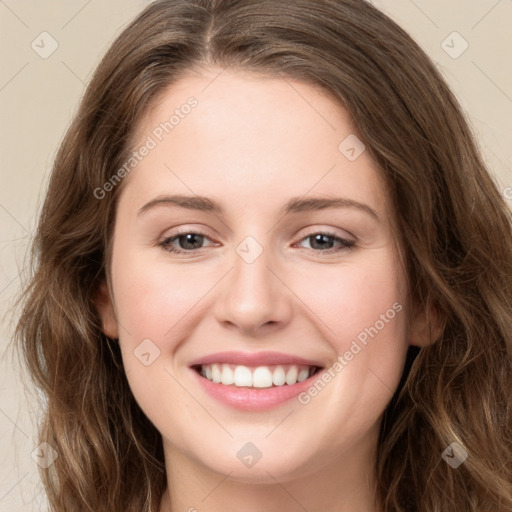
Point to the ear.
(427, 326)
(105, 307)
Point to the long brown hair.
(452, 225)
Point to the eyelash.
(345, 244)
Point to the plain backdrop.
(470, 41)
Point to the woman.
(339, 340)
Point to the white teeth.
(279, 376)
(243, 376)
(291, 375)
(259, 377)
(216, 376)
(262, 378)
(227, 375)
(303, 374)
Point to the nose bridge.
(251, 297)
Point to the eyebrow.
(298, 204)
(294, 205)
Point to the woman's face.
(289, 265)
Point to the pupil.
(194, 239)
(322, 239)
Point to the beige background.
(38, 97)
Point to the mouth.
(254, 381)
(265, 376)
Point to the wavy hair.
(453, 227)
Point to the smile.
(256, 377)
(255, 381)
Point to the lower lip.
(254, 399)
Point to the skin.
(251, 144)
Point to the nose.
(253, 298)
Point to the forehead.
(238, 135)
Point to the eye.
(324, 241)
(187, 241)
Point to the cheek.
(360, 312)
(152, 299)
(159, 306)
(155, 307)
(354, 302)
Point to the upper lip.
(265, 358)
